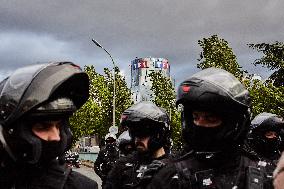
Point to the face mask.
(50, 150)
(127, 149)
(269, 147)
(110, 146)
(206, 139)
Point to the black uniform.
(215, 158)
(40, 96)
(266, 150)
(105, 161)
(266, 147)
(128, 171)
(229, 172)
(53, 176)
(143, 120)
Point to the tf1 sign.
(138, 63)
(162, 64)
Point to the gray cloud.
(38, 31)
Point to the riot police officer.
(148, 126)
(125, 144)
(265, 136)
(106, 157)
(215, 119)
(265, 140)
(36, 103)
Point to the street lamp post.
(113, 111)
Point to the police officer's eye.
(270, 134)
(45, 125)
(206, 116)
(40, 127)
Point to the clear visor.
(57, 109)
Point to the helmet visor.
(143, 129)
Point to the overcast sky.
(33, 31)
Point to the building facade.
(140, 80)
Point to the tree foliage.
(273, 54)
(95, 116)
(269, 95)
(217, 53)
(273, 58)
(265, 96)
(165, 97)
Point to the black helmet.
(125, 143)
(217, 91)
(147, 119)
(265, 146)
(110, 138)
(39, 92)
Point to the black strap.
(255, 175)
(255, 178)
(184, 174)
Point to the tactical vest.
(248, 175)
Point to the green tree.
(273, 58)
(278, 77)
(271, 92)
(273, 54)
(95, 117)
(265, 96)
(165, 97)
(217, 53)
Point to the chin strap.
(5, 145)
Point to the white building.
(140, 80)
